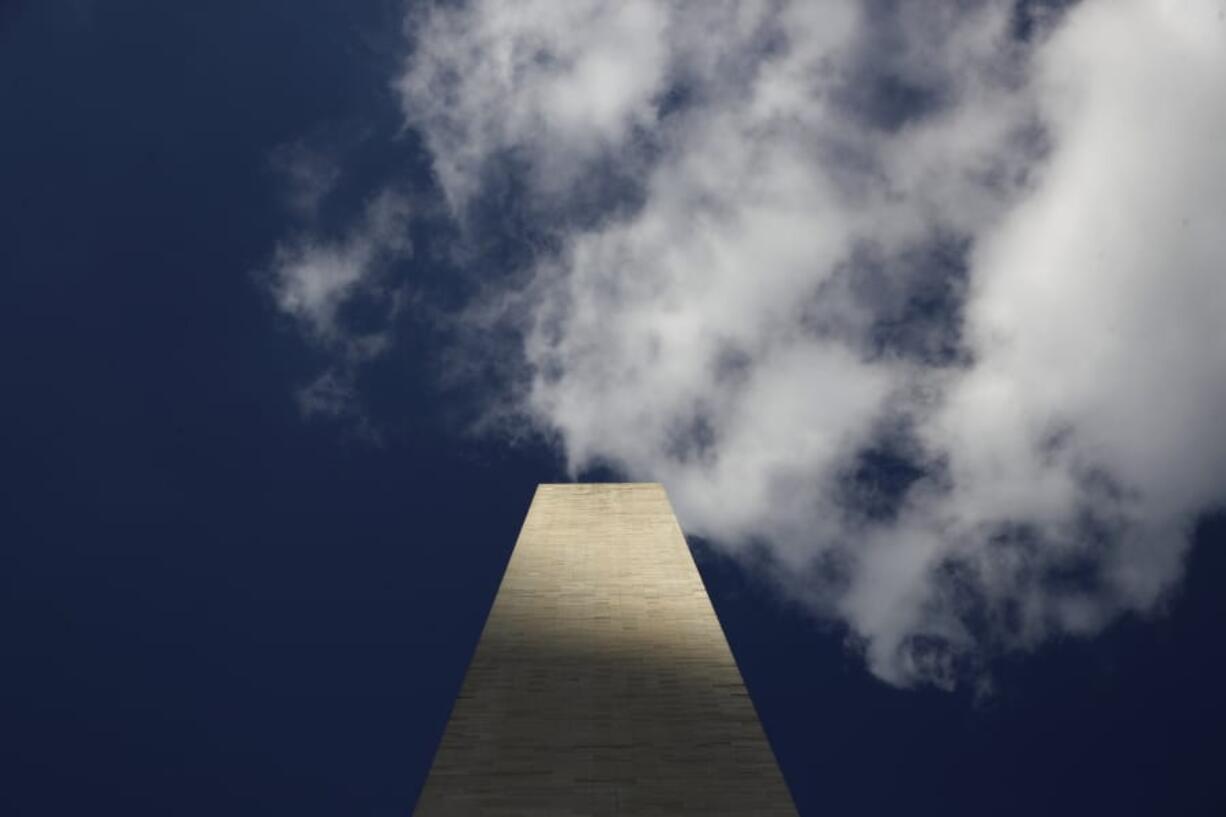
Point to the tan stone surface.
(602, 683)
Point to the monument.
(602, 683)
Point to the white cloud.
(315, 280)
(905, 235)
(582, 75)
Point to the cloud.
(309, 175)
(924, 304)
(582, 76)
(331, 287)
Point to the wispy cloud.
(320, 282)
(925, 302)
(309, 175)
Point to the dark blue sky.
(214, 606)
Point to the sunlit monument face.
(602, 683)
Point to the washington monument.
(602, 683)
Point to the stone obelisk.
(602, 683)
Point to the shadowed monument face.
(602, 683)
